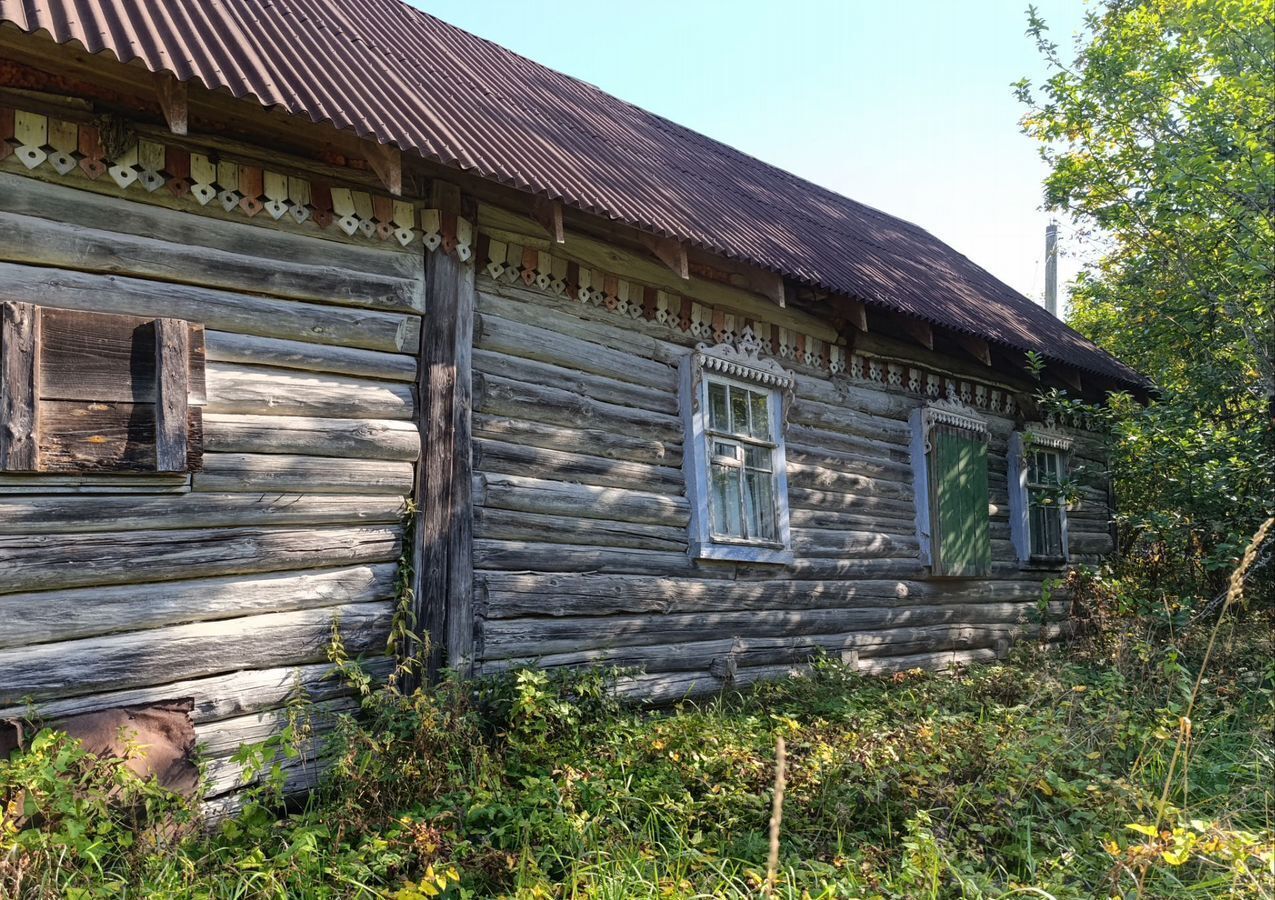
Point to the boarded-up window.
(91, 392)
(960, 540)
(949, 461)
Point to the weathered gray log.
(944, 659)
(120, 661)
(893, 522)
(512, 637)
(526, 555)
(216, 697)
(564, 498)
(94, 484)
(81, 229)
(573, 531)
(500, 396)
(62, 514)
(514, 594)
(600, 387)
(294, 474)
(805, 435)
(221, 310)
(172, 390)
(532, 308)
(537, 462)
(874, 466)
(49, 561)
(848, 421)
(863, 397)
(255, 390)
(611, 444)
(225, 346)
(821, 542)
(304, 436)
(819, 478)
(833, 502)
(518, 339)
(224, 737)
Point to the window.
(90, 393)
(734, 462)
(1038, 462)
(949, 460)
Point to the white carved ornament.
(953, 413)
(742, 359)
(1052, 439)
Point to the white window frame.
(939, 412)
(1020, 444)
(738, 365)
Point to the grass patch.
(1040, 777)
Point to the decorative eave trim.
(953, 413)
(742, 359)
(68, 151)
(1042, 437)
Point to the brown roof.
(394, 74)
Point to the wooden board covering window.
(91, 392)
(959, 505)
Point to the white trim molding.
(739, 363)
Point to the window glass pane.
(726, 502)
(760, 505)
(717, 413)
(739, 410)
(724, 448)
(757, 458)
(761, 415)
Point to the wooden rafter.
(548, 213)
(387, 163)
(920, 331)
(975, 347)
(172, 102)
(669, 252)
(856, 313)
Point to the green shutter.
(960, 542)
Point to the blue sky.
(905, 106)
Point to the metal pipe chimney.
(1051, 268)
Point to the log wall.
(581, 518)
(222, 585)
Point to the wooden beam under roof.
(669, 252)
(920, 331)
(548, 213)
(975, 347)
(173, 102)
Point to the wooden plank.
(920, 331)
(172, 385)
(444, 560)
(222, 310)
(669, 252)
(49, 561)
(20, 352)
(975, 347)
(92, 356)
(86, 437)
(121, 661)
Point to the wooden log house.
(305, 303)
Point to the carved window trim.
(1022, 443)
(734, 364)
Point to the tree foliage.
(1160, 137)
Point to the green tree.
(1160, 136)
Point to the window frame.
(726, 364)
(1021, 444)
(953, 414)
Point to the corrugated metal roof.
(392, 73)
